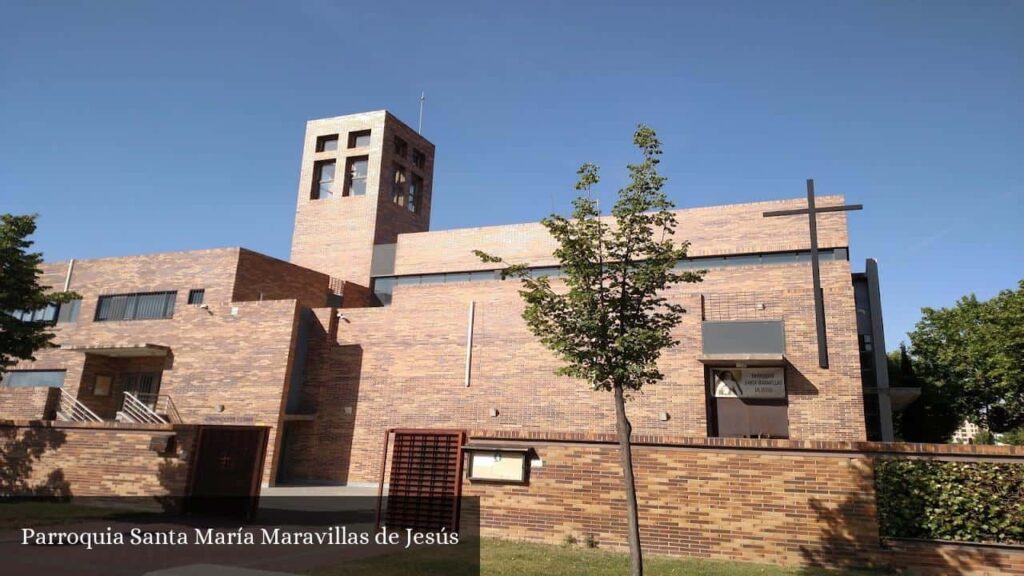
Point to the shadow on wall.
(19, 453)
(850, 539)
(318, 451)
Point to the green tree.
(932, 416)
(610, 321)
(20, 291)
(973, 353)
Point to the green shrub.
(961, 501)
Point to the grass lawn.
(506, 558)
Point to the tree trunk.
(624, 429)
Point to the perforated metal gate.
(425, 483)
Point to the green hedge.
(961, 501)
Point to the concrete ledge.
(820, 446)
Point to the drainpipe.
(67, 277)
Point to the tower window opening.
(398, 186)
(356, 171)
(360, 139)
(323, 180)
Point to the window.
(195, 296)
(359, 139)
(419, 159)
(356, 176)
(398, 185)
(51, 313)
(748, 403)
(102, 385)
(401, 148)
(327, 143)
(68, 311)
(138, 306)
(33, 379)
(415, 194)
(323, 179)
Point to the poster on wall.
(755, 383)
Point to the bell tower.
(365, 179)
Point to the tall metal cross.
(819, 298)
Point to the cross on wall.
(819, 299)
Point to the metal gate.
(425, 484)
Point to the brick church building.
(376, 322)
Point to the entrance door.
(227, 471)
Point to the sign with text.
(754, 383)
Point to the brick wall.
(336, 235)
(781, 502)
(714, 230)
(71, 459)
(411, 366)
(221, 369)
(261, 277)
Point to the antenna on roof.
(419, 129)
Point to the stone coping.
(116, 426)
(850, 447)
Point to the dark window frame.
(323, 141)
(356, 135)
(316, 193)
(196, 296)
(419, 159)
(401, 147)
(399, 189)
(129, 310)
(5, 378)
(350, 178)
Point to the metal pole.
(419, 128)
(819, 297)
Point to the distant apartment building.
(378, 323)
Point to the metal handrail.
(139, 411)
(161, 404)
(72, 410)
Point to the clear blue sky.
(136, 127)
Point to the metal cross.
(819, 298)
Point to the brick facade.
(781, 502)
(336, 235)
(79, 460)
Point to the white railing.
(71, 410)
(135, 410)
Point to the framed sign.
(754, 383)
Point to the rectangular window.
(415, 194)
(356, 171)
(327, 143)
(195, 296)
(51, 313)
(68, 311)
(748, 403)
(33, 379)
(401, 148)
(323, 180)
(398, 185)
(102, 385)
(419, 159)
(138, 306)
(360, 139)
